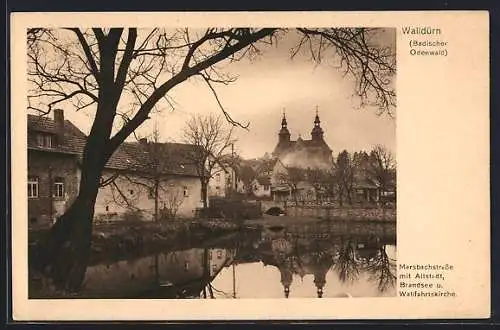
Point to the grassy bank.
(121, 240)
(127, 240)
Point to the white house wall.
(218, 184)
(110, 204)
(259, 189)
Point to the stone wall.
(372, 211)
(379, 214)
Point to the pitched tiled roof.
(172, 158)
(167, 158)
(264, 180)
(365, 183)
(73, 142)
(266, 165)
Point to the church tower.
(286, 279)
(317, 131)
(320, 280)
(284, 135)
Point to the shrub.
(133, 216)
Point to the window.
(217, 177)
(131, 192)
(186, 265)
(152, 193)
(48, 141)
(59, 187)
(44, 140)
(219, 254)
(185, 191)
(107, 208)
(266, 187)
(32, 187)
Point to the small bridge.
(268, 204)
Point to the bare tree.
(247, 174)
(317, 178)
(345, 175)
(150, 176)
(382, 270)
(292, 177)
(358, 51)
(347, 266)
(172, 202)
(327, 183)
(213, 141)
(382, 167)
(124, 75)
(154, 173)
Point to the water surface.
(315, 260)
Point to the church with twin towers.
(303, 153)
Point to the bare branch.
(88, 53)
(221, 107)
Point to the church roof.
(290, 145)
(315, 150)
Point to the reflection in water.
(382, 270)
(347, 264)
(299, 261)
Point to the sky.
(266, 87)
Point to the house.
(223, 180)
(147, 180)
(54, 153)
(55, 149)
(367, 185)
(261, 186)
(263, 181)
(245, 173)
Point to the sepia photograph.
(205, 166)
(214, 163)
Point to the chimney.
(59, 124)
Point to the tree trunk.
(156, 200)
(66, 249)
(204, 187)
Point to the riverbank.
(113, 243)
(123, 239)
(119, 240)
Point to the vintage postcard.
(250, 166)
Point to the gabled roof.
(172, 158)
(290, 146)
(73, 142)
(266, 165)
(263, 180)
(252, 163)
(165, 158)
